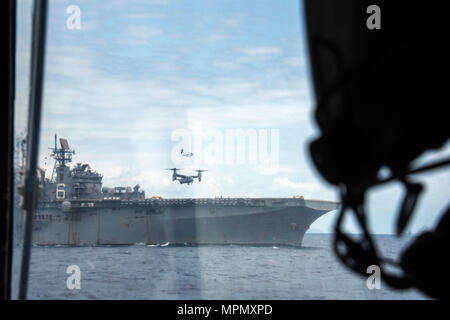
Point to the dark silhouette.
(381, 102)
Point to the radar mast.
(62, 156)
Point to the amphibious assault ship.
(74, 209)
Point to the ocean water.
(206, 272)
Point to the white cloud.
(232, 22)
(142, 33)
(301, 188)
(281, 168)
(258, 54)
(84, 101)
(127, 4)
(159, 2)
(258, 51)
(226, 65)
(245, 116)
(217, 37)
(144, 15)
(91, 106)
(295, 61)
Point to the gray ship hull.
(264, 221)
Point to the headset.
(375, 91)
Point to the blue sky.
(138, 71)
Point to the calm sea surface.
(206, 272)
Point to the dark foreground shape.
(382, 97)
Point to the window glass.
(133, 88)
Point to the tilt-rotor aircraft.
(185, 178)
(186, 154)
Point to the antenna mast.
(61, 155)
